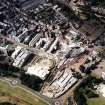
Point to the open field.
(96, 101)
(101, 68)
(13, 100)
(20, 93)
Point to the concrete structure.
(20, 56)
(90, 64)
(61, 84)
(41, 68)
(16, 52)
(53, 45)
(101, 89)
(34, 40)
(29, 4)
(103, 75)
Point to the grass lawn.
(20, 93)
(96, 101)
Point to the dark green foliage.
(31, 81)
(79, 97)
(86, 90)
(97, 2)
(92, 94)
(6, 103)
(102, 53)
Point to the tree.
(92, 94)
(31, 81)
